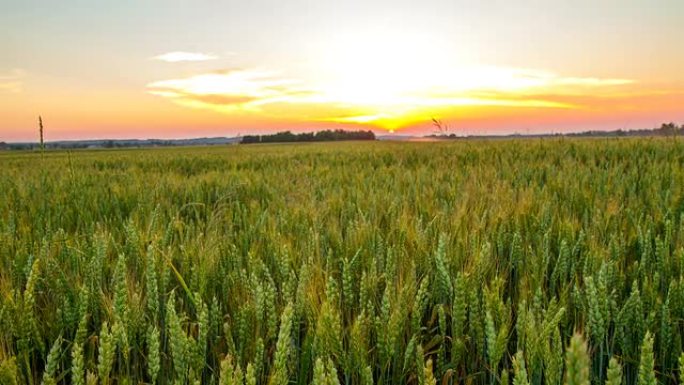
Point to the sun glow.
(376, 78)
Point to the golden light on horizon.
(383, 79)
(367, 96)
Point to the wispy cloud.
(229, 89)
(12, 81)
(516, 80)
(373, 99)
(180, 56)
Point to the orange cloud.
(384, 102)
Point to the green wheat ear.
(280, 373)
(646, 362)
(577, 365)
(614, 374)
(681, 368)
(519, 370)
(52, 363)
(153, 355)
(106, 351)
(9, 371)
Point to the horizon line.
(388, 134)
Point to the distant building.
(4, 146)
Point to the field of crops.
(475, 262)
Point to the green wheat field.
(551, 261)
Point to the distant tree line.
(665, 129)
(87, 144)
(119, 143)
(320, 136)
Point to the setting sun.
(384, 79)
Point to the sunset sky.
(171, 68)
